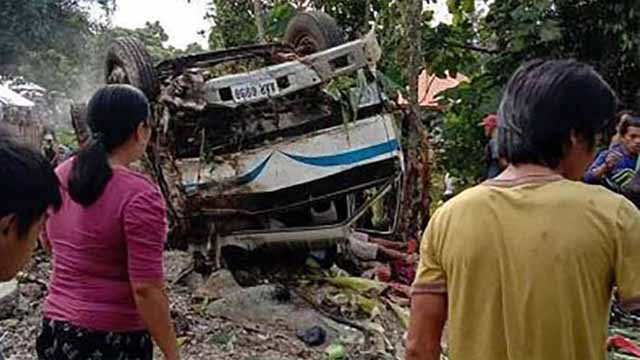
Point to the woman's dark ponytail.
(113, 115)
(90, 173)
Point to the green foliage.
(192, 48)
(55, 43)
(152, 35)
(442, 47)
(277, 19)
(489, 49)
(234, 21)
(458, 139)
(356, 17)
(44, 40)
(67, 138)
(391, 38)
(234, 24)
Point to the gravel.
(201, 334)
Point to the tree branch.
(472, 48)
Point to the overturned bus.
(284, 144)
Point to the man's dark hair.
(28, 185)
(544, 103)
(113, 115)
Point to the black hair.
(113, 115)
(627, 120)
(28, 184)
(544, 103)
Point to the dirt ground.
(218, 319)
(256, 323)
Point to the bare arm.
(153, 306)
(145, 225)
(428, 315)
(600, 172)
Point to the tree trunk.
(413, 35)
(257, 8)
(418, 176)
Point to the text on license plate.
(255, 91)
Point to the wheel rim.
(117, 75)
(307, 45)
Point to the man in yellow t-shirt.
(523, 266)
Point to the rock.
(33, 292)
(260, 305)
(175, 263)
(314, 336)
(281, 294)
(192, 281)
(217, 286)
(8, 298)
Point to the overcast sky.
(182, 19)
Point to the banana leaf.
(360, 285)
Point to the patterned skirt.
(62, 340)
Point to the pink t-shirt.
(99, 250)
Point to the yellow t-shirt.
(529, 268)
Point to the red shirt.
(100, 249)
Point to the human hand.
(613, 158)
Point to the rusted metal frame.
(178, 65)
(252, 239)
(178, 217)
(320, 62)
(306, 72)
(229, 212)
(396, 218)
(327, 235)
(400, 181)
(154, 159)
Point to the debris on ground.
(314, 336)
(218, 319)
(332, 316)
(8, 298)
(624, 335)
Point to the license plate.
(254, 91)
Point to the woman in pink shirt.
(107, 296)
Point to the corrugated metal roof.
(430, 86)
(11, 98)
